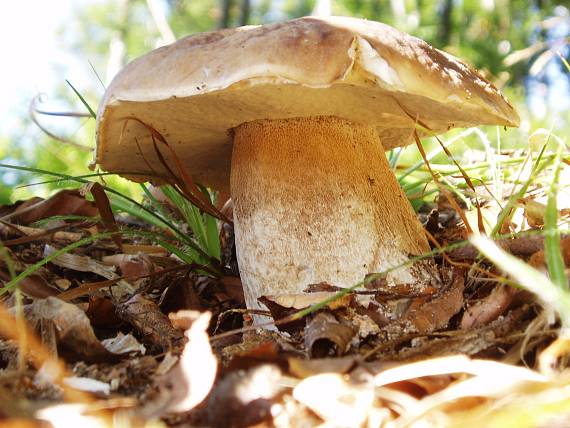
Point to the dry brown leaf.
(426, 315)
(337, 401)
(80, 263)
(74, 333)
(283, 305)
(325, 336)
(123, 344)
(489, 308)
(146, 317)
(244, 398)
(190, 381)
(538, 261)
(33, 285)
(105, 211)
(65, 202)
(534, 212)
(302, 368)
(299, 301)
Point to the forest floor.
(100, 325)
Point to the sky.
(32, 60)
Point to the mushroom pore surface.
(315, 200)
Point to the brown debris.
(537, 260)
(244, 398)
(524, 246)
(489, 308)
(426, 315)
(65, 202)
(75, 336)
(190, 381)
(303, 368)
(326, 336)
(147, 318)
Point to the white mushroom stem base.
(315, 200)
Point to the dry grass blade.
(34, 111)
(490, 379)
(186, 184)
(553, 296)
(443, 190)
(92, 287)
(467, 179)
(104, 207)
(32, 234)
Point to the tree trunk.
(225, 16)
(245, 11)
(445, 25)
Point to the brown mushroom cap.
(197, 89)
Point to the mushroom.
(302, 111)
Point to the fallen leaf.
(265, 352)
(426, 315)
(65, 202)
(538, 261)
(283, 305)
(244, 397)
(325, 336)
(534, 212)
(105, 211)
(146, 317)
(75, 335)
(489, 308)
(124, 344)
(80, 263)
(33, 285)
(299, 301)
(303, 368)
(338, 401)
(191, 379)
(102, 312)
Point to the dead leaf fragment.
(190, 381)
(284, 305)
(426, 315)
(123, 344)
(489, 308)
(299, 301)
(244, 397)
(325, 336)
(302, 368)
(337, 401)
(145, 316)
(73, 329)
(66, 202)
(538, 261)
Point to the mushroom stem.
(315, 200)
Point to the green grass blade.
(204, 226)
(33, 268)
(213, 237)
(87, 106)
(513, 199)
(552, 250)
(124, 203)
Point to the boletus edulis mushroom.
(295, 118)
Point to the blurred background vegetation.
(520, 45)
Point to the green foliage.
(204, 227)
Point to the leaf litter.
(119, 327)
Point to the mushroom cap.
(194, 91)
